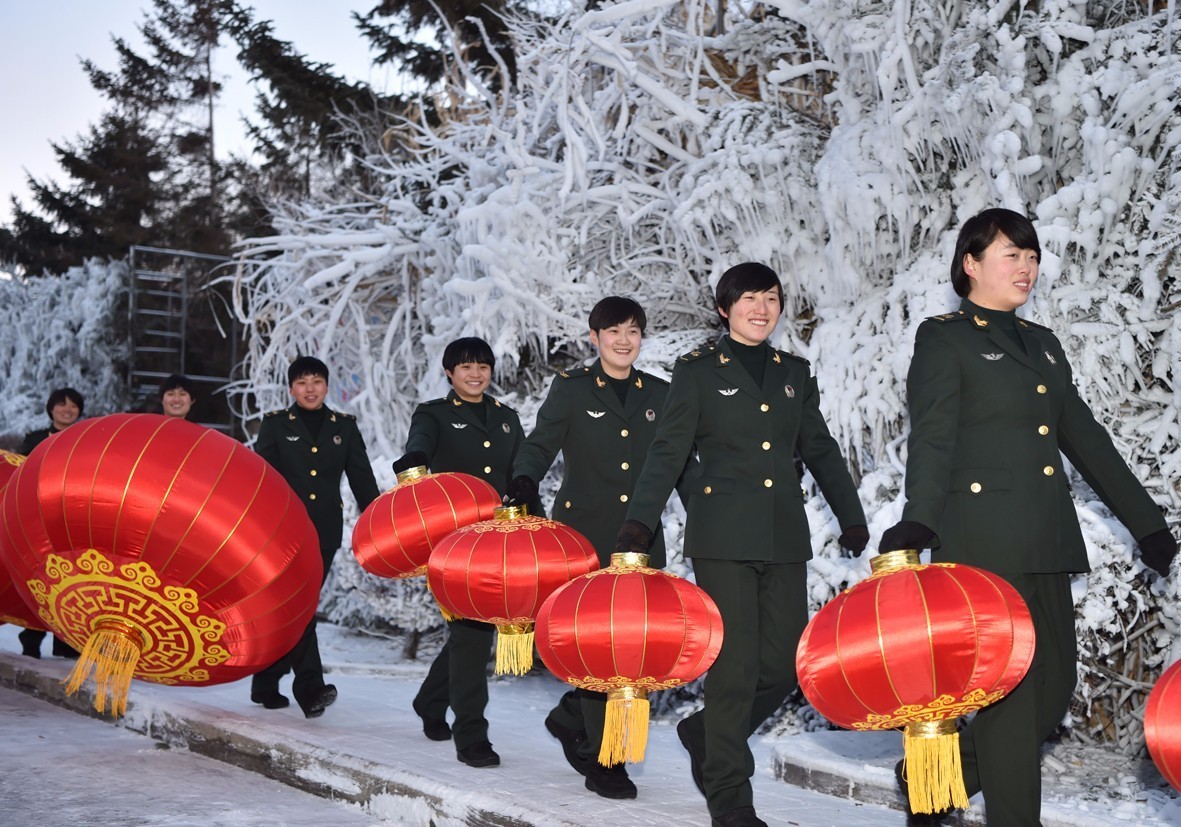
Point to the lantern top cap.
(892, 561)
(509, 512)
(410, 474)
(629, 558)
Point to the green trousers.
(458, 678)
(1001, 747)
(764, 611)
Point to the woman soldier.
(749, 409)
(992, 409)
(470, 432)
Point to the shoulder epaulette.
(345, 415)
(647, 377)
(697, 353)
(574, 373)
(954, 316)
(440, 401)
(496, 403)
(1034, 325)
(789, 355)
(275, 412)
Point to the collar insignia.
(979, 322)
(332, 418)
(639, 383)
(599, 383)
(459, 426)
(695, 353)
(456, 402)
(723, 359)
(1023, 323)
(775, 357)
(727, 391)
(291, 416)
(563, 374)
(596, 414)
(496, 402)
(790, 391)
(1050, 358)
(993, 357)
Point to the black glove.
(906, 535)
(1157, 551)
(521, 491)
(414, 459)
(854, 538)
(634, 537)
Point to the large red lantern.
(12, 608)
(916, 646)
(501, 570)
(628, 630)
(1162, 725)
(395, 535)
(162, 550)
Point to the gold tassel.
(112, 651)
(514, 648)
(934, 775)
(625, 730)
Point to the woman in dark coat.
(993, 409)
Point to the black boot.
(570, 740)
(609, 782)
(314, 704)
(437, 729)
(695, 760)
(31, 643)
(61, 649)
(272, 699)
(738, 817)
(479, 754)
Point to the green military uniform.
(747, 533)
(313, 468)
(991, 415)
(454, 437)
(604, 443)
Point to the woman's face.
(64, 414)
(618, 345)
(177, 402)
(470, 380)
(1003, 277)
(753, 317)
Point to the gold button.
(311, 496)
(764, 407)
(766, 446)
(487, 469)
(315, 449)
(767, 483)
(1043, 430)
(1048, 471)
(313, 472)
(625, 465)
(623, 498)
(1041, 388)
(709, 489)
(976, 487)
(567, 503)
(487, 444)
(623, 432)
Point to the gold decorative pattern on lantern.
(944, 706)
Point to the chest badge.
(790, 391)
(459, 426)
(595, 414)
(293, 439)
(336, 439)
(727, 391)
(1050, 358)
(504, 427)
(650, 415)
(993, 357)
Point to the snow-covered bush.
(644, 148)
(67, 330)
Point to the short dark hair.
(615, 310)
(60, 395)
(981, 230)
(302, 366)
(177, 380)
(468, 349)
(748, 277)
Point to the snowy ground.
(371, 726)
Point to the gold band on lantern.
(509, 512)
(892, 561)
(411, 474)
(629, 558)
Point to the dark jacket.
(989, 422)
(313, 468)
(745, 501)
(453, 437)
(604, 443)
(35, 438)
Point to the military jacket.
(603, 442)
(744, 501)
(313, 468)
(454, 438)
(990, 422)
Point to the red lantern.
(12, 608)
(162, 550)
(1162, 724)
(628, 630)
(501, 570)
(396, 533)
(917, 646)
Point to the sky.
(46, 97)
